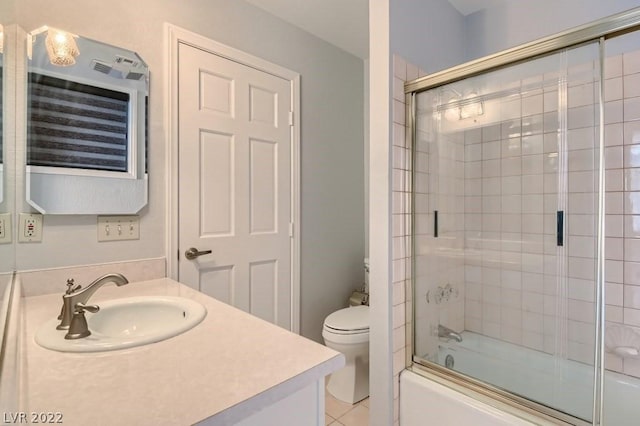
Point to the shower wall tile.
(413, 71)
(398, 112)
(631, 85)
(613, 89)
(579, 289)
(398, 89)
(614, 314)
(402, 164)
(614, 134)
(631, 317)
(614, 271)
(631, 133)
(398, 135)
(399, 67)
(614, 180)
(614, 294)
(613, 67)
(631, 109)
(613, 112)
(631, 62)
(631, 154)
(632, 273)
(614, 158)
(632, 296)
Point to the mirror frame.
(71, 190)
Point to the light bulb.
(61, 48)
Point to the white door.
(235, 183)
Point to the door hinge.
(290, 229)
(290, 118)
(178, 254)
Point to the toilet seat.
(345, 332)
(347, 321)
(345, 338)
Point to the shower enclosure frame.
(598, 31)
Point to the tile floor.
(338, 413)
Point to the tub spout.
(448, 333)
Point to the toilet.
(347, 331)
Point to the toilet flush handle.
(193, 252)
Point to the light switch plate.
(30, 228)
(117, 228)
(5, 228)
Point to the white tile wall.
(401, 219)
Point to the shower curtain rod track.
(607, 27)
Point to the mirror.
(7, 255)
(7, 157)
(87, 118)
(2, 161)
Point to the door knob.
(193, 252)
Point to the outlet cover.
(118, 228)
(30, 228)
(5, 228)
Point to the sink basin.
(126, 323)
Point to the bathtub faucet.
(448, 333)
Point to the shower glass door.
(506, 178)
(622, 254)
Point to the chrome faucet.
(74, 301)
(448, 333)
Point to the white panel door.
(235, 183)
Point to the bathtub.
(528, 373)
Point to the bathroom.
(333, 168)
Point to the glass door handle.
(560, 228)
(193, 252)
(435, 223)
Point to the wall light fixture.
(61, 48)
(459, 108)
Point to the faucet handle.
(78, 327)
(70, 288)
(81, 307)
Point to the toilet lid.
(347, 319)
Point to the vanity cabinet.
(231, 369)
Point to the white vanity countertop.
(226, 368)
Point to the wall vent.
(121, 68)
(101, 67)
(134, 76)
